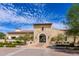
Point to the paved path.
(32, 52)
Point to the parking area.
(32, 52)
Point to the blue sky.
(24, 15)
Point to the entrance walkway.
(35, 46)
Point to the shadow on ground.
(64, 50)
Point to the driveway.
(33, 52)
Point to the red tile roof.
(21, 32)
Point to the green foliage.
(73, 21)
(1, 44)
(27, 37)
(10, 44)
(73, 17)
(19, 38)
(18, 42)
(7, 44)
(60, 37)
(22, 39)
(53, 39)
(2, 35)
(72, 32)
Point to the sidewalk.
(34, 46)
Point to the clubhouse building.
(42, 33)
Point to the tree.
(20, 38)
(73, 22)
(53, 39)
(27, 37)
(60, 37)
(2, 35)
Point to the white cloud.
(10, 15)
(59, 25)
(39, 4)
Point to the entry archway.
(42, 38)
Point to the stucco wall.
(38, 31)
(16, 35)
(48, 31)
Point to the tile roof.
(21, 32)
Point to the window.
(42, 28)
(13, 37)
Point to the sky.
(24, 15)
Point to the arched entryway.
(42, 38)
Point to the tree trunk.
(74, 40)
(65, 38)
(24, 41)
(5, 40)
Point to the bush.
(58, 43)
(71, 45)
(7, 44)
(1, 44)
(63, 44)
(10, 44)
(18, 42)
